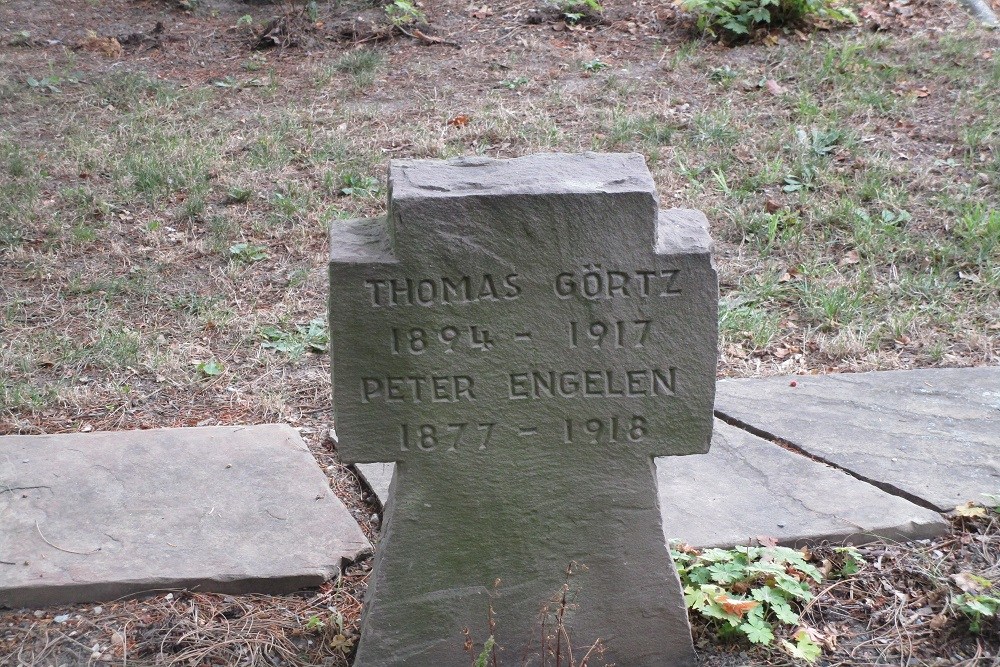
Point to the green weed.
(404, 13)
(312, 337)
(247, 253)
(750, 591)
(735, 19)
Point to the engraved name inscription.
(593, 384)
(442, 290)
(460, 341)
(417, 389)
(597, 283)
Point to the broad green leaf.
(758, 631)
(211, 368)
(726, 573)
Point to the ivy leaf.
(793, 587)
(695, 598)
(758, 631)
(784, 613)
(804, 647)
(717, 555)
(726, 573)
(699, 575)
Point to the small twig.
(69, 551)
(427, 39)
(820, 594)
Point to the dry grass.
(183, 628)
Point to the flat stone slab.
(747, 487)
(236, 509)
(932, 436)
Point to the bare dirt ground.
(168, 171)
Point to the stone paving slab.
(91, 517)
(747, 487)
(932, 436)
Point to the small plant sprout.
(514, 84)
(404, 13)
(595, 65)
(312, 337)
(211, 368)
(238, 195)
(247, 253)
(576, 10)
(355, 185)
(482, 660)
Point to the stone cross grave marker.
(522, 337)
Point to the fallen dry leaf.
(971, 583)
(460, 120)
(775, 88)
(970, 277)
(107, 46)
(771, 206)
(970, 510)
(851, 257)
(737, 607)
(789, 275)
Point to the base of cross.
(546, 580)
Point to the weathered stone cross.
(522, 337)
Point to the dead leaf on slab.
(970, 510)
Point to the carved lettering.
(617, 333)
(444, 290)
(418, 340)
(429, 437)
(635, 383)
(594, 283)
(604, 429)
(417, 389)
